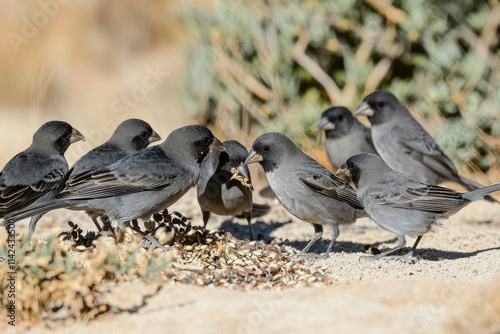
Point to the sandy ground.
(453, 288)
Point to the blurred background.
(248, 67)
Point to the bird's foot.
(153, 243)
(407, 258)
(325, 255)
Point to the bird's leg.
(33, 222)
(415, 244)
(318, 232)
(409, 257)
(106, 223)
(119, 231)
(206, 217)
(96, 223)
(248, 216)
(335, 235)
(400, 245)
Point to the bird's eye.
(351, 165)
(266, 148)
(340, 118)
(144, 134)
(66, 135)
(380, 104)
(206, 141)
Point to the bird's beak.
(364, 109)
(76, 136)
(216, 145)
(325, 124)
(243, 170)
(253, 157)
(342, 170)
(154, 137)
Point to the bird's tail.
(471, 186)
(361, 214)
(482, 192)
(267, 192)
(35, 209)
(259, 210)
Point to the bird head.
(380, 106)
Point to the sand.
(454, 287)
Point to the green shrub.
(262, 66)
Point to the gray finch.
(142, 183)
(345, 135)
(37, 173)
(402, 204)
(129, 136)
(218, 194)
(305, 188)
(404, 145)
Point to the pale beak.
(253, 157)
(325, 124)
(216, 145)
(343, 170)
(76, 136)
(154, 137)
(364, 109)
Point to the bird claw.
(325, 255)
(153, 243)
(407, 258)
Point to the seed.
(274, 268)
(277, 277)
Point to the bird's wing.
(97, 158)
(320, 180)
(419, 145)
(420, 196)
(141, 171)
(16, 196)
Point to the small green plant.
(55, 280)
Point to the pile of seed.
(242, 264)
(208, 257)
